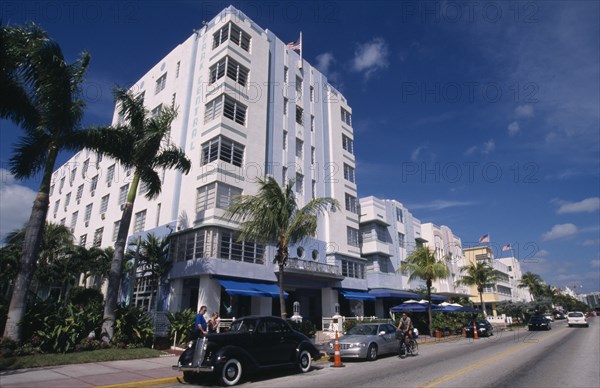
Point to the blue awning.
(356, 295)
(238, 287)
(387, 293)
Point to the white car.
(549, 317)
(577, 318)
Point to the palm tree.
(272, 216)
(422, 264)
(142, 144)
(154, 260)
(533, 282)
(478, 274)
(48, 107)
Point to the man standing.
(200, 325)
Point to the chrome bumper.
(190, 368)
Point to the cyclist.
(405, 326)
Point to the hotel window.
(299, 183)
(312, 94)
(88, 213)
(299, 115)
(67, 200)
(400, 240)
(346, 117)
(285, 106)
(156, 111)
(348, 144)
(353, 270)
(110, 175)
(74, 219)
(51, 190)
(140, 221)
(225, 195)
(177, 69)
(298, 86)
(83, 240)
(61, 185)
(228, 66)
(382, 233)
(116, 226)
(94, 185)
(144, 187)
(230, 108)
(348, 173)
(79, 193)
(314, 189)
(72, 177)
(285, 75)
(98, 237)
(299, 148)
(399, 216)
(123, 194)
(104, 204)
(56, 205)
(86, 165)
(284, 175)
(285, 134)
(351, 203)
(352, 236)
(205, 197)
(232, 249)
(161, 82)
(233, 32)
(312, 155)
(221, 148)
(312, 123)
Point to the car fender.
(307, 345)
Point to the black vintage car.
(252, 343)
(484, 328)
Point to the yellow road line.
(482, 363)
(144, 383)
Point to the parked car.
(367, 341)
(549, 317)
(590, 314)
(559, 315)
(484, 328)
(252, 344)
(577, 318)
(539, 323)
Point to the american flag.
(296, 46)
(485, 238)
(506, 247)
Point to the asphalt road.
(561, 357)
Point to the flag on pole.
(506, 247)
(485, 238)
(296, 46)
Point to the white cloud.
(560, 231)
(15, 203)
(588, 205)
(588, 243)
(485, 149)
(542, 253)
(370, 57)
(324, 61)
(414, 156)
(440, 204)
(513, 128)
(524, 111)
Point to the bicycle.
(408, 347)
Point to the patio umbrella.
(413, 308)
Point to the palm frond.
(29, 155)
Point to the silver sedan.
(367, 341)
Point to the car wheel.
(372, 352)
(304, 361)
(231, 372)
(570, 325)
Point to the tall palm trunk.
(482, 302)
(429, 283)
(281, 292)
(114, 275)
(31, 248)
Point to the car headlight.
(331, 345)
(357, 345)
(482, 328)
(190, 344)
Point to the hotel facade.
(250, 107)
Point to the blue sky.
(483, 116)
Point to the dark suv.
(252, 343)
(484, 328)
(539, 323)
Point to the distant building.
(515, 274)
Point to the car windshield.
(363, 330)
(537, 319)
(575, 315)
(243, 325)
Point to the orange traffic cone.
(337, 357)
(475, 335)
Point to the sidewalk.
(126, 373)
(135, 373)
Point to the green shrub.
(305, 327)
(133, 326)
(7, 347)
(181, 324)
(86, 296)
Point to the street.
(566, 357)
